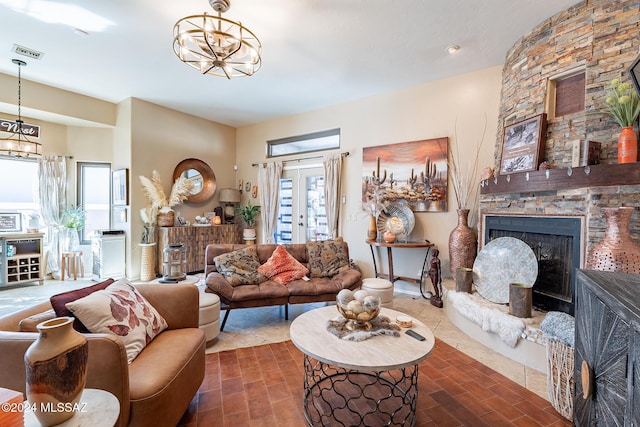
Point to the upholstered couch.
(269, 292)
(158, 385)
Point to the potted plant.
(249, 214)
(623, 105)
(73, 219)
(160, 206)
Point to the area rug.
(263, 386)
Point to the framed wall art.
(416, 175)
(120, 187)
(523, 145)
(10, 222)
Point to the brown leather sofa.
(157, 387)
(317, 289)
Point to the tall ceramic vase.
(463, 243)
(372, 230)
(618, 251)
(56, 366)
(627, 146)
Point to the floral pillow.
(240, 267)
(282, 267)
(327, 257)
(120, 310)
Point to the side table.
(400, 245)
(97, 408)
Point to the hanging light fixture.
(17, 144)
(216, 45)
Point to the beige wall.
(455, 107)
(160, 139)
(145, 137)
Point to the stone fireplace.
(559, 214)
(557, 245)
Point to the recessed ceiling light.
(453, 48)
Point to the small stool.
(71, 261)
(209, 320)
(379, 287)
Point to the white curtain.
(52, 180)
(269, 194)
(332, 164)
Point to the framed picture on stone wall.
(523, 145)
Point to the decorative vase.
(166, 218)
(618, 251)
(627, 146)
(147, 261)
(463, 243)
(71, 240)
(389, 236)
(372, 230)
(56, 370)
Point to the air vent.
(30, 53)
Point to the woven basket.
(560, 377)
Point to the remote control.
(414, 334)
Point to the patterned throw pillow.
(327, 257)
(240, 267)
(120, 310)
(59, 301)
(282, 267)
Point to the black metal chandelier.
(17, 143)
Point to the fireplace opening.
(556, 243)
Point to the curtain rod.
(345, 154)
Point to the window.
(94, 183)
(19, 188)
(317, 141)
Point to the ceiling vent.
(30, 53)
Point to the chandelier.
(216, 45)
(17, 144)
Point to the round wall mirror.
(201, 174)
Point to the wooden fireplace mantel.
(564, 179)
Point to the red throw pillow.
(58, 301)
(282, 267)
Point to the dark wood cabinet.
(607, 349)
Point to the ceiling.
(316, 53)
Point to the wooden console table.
(400, 245)
(195, 239)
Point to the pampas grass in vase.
(158, 201)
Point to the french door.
(302, 215)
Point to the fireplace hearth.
(556, 243)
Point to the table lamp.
(230, 197)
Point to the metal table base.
(335, 396)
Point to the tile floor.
(262, 386)
(248, 328)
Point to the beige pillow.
(121, 310)
(240, 267)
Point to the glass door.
(302, 215)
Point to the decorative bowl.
(359, 308)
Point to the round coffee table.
(370, 382)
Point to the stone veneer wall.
(585, 202)
(603, 37)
